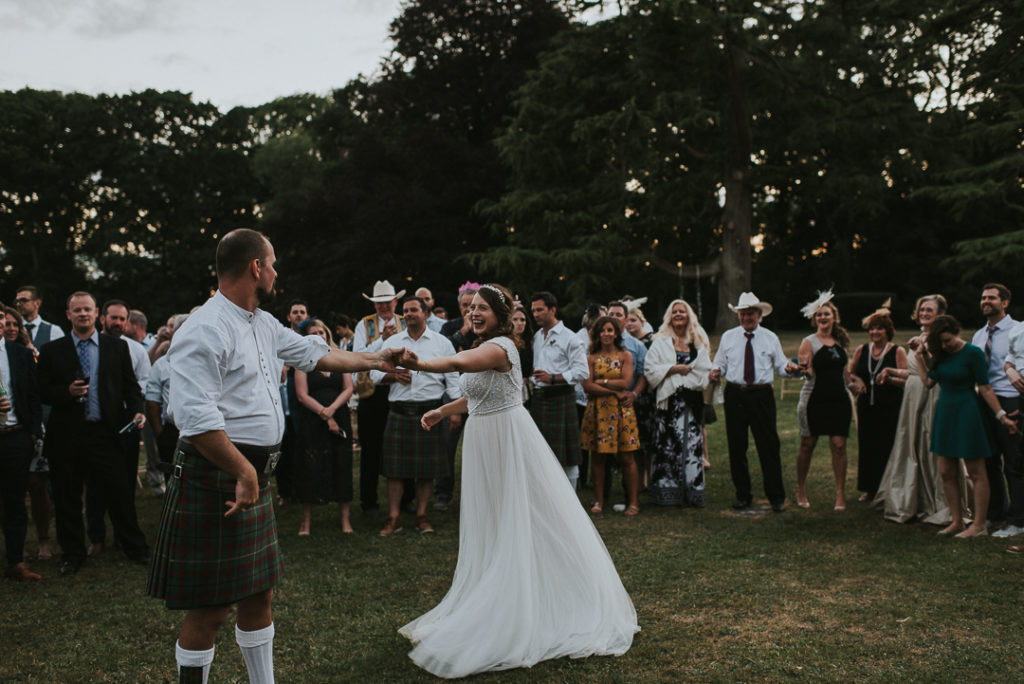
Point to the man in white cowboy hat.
(748, 357)
(370, 334)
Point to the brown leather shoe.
(21, 573)
(422, 525)
(392, 527)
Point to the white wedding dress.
(534, 580)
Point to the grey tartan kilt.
(410, 452)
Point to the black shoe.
(740, 504)
(69, 568)
(779, 507)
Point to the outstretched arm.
(484, 357)
(350, 362)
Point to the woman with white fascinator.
(824, 408)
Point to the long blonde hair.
(320, 325)
(694, 333)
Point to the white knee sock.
(573, 473)
(258, 652)
(188, 658)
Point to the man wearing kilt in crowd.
(217, 540)
(410, 452)
(559, 361)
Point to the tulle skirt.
(534, 580)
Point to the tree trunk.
(737, 215)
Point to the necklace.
(873, 370)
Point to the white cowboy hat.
(383, 291)
(748, 300)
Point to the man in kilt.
(217, 540)
(410, 452)
(559, 361)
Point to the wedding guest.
(20, 427)
(958, 431)
(409, 451)
(323, 469)
(434, 322)
(609, 422)
(38, 468)
(523, 327)
(559, 361)
(748, 356)
(372, 414)
(878, 401)
(677, 367)
(638, 388)
(343, 333)
(1015, 361)
(911, 486)
(635, 322)
(824, 406)
(1006, 497)
(28, 302)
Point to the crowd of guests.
(936, 420)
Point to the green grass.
(806, 595)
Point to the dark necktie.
(748, 359)
(31, 327)
(83, 357)
(988, 342)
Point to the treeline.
(873, 146)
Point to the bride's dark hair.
(503, 305)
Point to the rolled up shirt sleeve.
(300, 352)
(195, 378)
(579, 370)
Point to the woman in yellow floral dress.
(609, 421)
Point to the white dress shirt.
(226, 365)
(140, 361)
(5, 380)
(769, 358)
(996, 362)
(158, 387)
(560, 352)
(435, 322)
(424, 386)
(1015, 347)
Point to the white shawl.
(661, 357)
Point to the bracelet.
(1000, 414)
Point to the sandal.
(632, 510)
(596, 509)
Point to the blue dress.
(958, 430)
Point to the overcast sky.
(229, 52)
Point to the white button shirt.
(560, 352)
(158, 387)
(424, 386)
(997, 362)
(1015, 348)
(769, 358)
(226, 365)
(140, 361)
(5, 380)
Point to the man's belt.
(553, 390)
(413, 408)
(749, 388)
(263, 458)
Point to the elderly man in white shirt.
(217, 540)
(559, 361)
(410, 452)
(749, 357)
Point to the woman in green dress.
(958, 429)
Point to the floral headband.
(469, 286)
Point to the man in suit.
(20, 427)
(88, 380)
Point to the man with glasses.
(28, 302)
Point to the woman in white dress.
(534, 580)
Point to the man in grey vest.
(28, 302)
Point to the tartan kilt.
(556, 418)
(202, 559)
(410, 452)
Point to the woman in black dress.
(878, 400)
(323, 471)
(824, 406)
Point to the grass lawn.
(804, 595)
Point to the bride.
(533, 581)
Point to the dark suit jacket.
(24, 387)
(118, 389)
